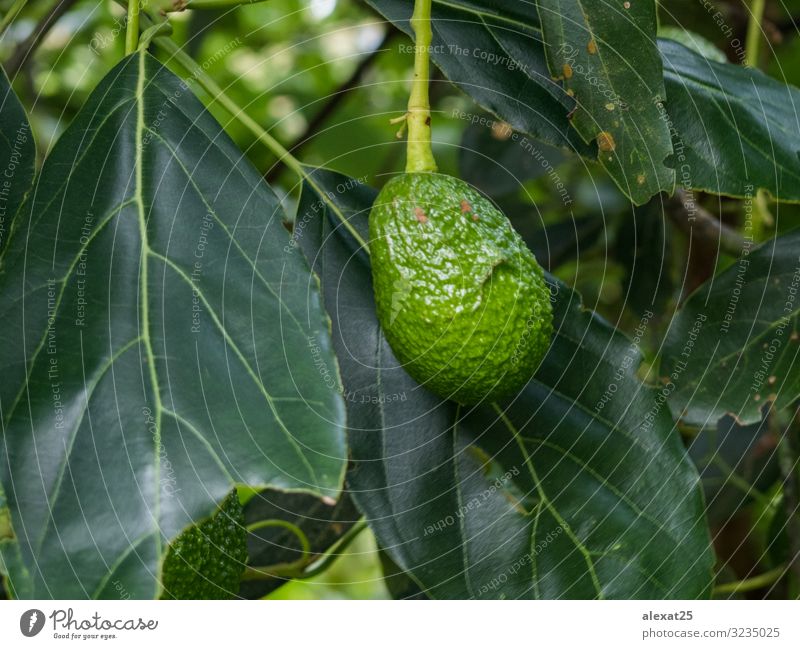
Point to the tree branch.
(336, 99)
(700, 224)
(27, 47)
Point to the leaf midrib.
(144, 307)
(239, 354)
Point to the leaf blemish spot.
(567, 70)
(419, 213)
(502, 130)
(592, 47)
(605, 141)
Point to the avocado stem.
(755, 33)
(132, 29)
(420, 154)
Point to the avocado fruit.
(460, 297)
(207, 560)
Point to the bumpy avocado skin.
(206, 561)
(461, 299)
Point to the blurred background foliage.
(326, 76)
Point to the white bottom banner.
(386, 625)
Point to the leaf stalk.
(300, 569)
(752, 583)
(754, 33)
(132, 27)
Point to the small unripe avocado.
(461, 299)
(207, 560)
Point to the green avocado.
(207, 560)
(461, 299)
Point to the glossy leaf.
(734, 130)
(17, 157)
(733, 347)
(579, 487)
(17, 160)
(730, 456)
(559, 242)
(169, 344)
(694, 42)
(398, 583)
(644, 247)
(608, 59)
(491, 159)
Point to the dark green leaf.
(559, 242)
(578, 488)
(694, 42)
(17, 156)
(493, 162)
(17, 160)
(644, 248)
(609, 61)
(734, 344)
(731, 459)
(169, 345)
(398, 583)
(734, 129)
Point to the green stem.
(173, 6)
(753, 583)
(218, 4)
(298, 569)
(159, 29)
(336, 552)
(276, 522)
(420, 154)
(740, 483)
(754, 33)
(288, 570)
(12, 13)
(132, 29)
(211, 87)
